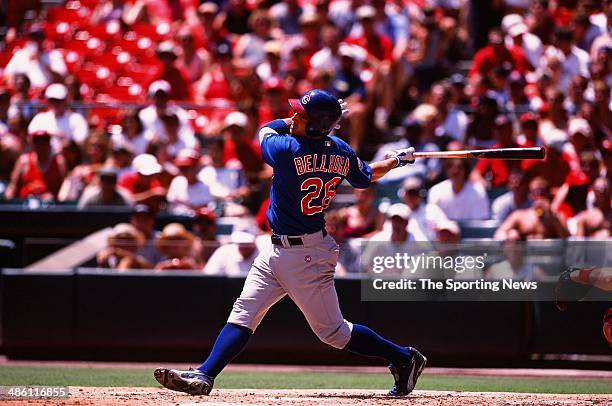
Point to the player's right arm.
(393, 159)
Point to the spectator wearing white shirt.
(453, 122)
(225, 183)
(236, 258)
(575, 61)
(459, 198)
(133, 134)
(187, 193)
(425, 217)
(41, 66)
(517, 34)
(59, 120)
(151, 116)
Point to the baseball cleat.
(192, 382)
(406, 375)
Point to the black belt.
(276, 239)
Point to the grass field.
(137, 377)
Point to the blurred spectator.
(216, 83)
(536, 222)
(236, 17)
(479, 132)
(22, 100)
(104, 192)
(122, 249)
(249, 49)
(5, 102)
(517, 34)
(59, 120)
(529, 127)
(494, 173)
(225, 183)
(571, 197)
(597, 222)
(495, 54)
(287, 15)
(580, 139)
(428, 55)
(175, 243)
(585, 32)
(143, 184)
(448, 232)
(517, 198)
(96, 151)
(205, 231)
(348, 257)
(152, 115)
(458, 197)
(452, 121)
(425, 217)
(240, 144)
(11, 145)
(378, 45)
(274, 103)
(169, 143)
(236, 258)
(120, 159)
(398, 215)
(143, 219)
(574, 60)
(363, 218)
(575, 94)
(187, 193)
(514, 265)
(133, 134)
(191, 60)
(180, 87)
(39, 172)
(540, 21)
(208, 33)
(418, 131)
(41, 64)
(270, 69)
(554, 167)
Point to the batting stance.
(308, 166)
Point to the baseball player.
(308, 165)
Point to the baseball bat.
(495, 153)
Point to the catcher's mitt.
(568, 291)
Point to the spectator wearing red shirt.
(379, 46)
(240, 145)
(495, 54)
(274, 104)
(554, 167)
(180, 86)
(497, 171)
(39, 172)
(143, 184)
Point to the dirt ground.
(150, 396)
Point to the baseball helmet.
(321, 110)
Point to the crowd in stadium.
(155, 105)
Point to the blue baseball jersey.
(306, 174)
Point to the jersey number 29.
(314, 186)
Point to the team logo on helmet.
(305, 99)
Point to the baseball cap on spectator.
(159, 86)
(425, 113)
(308, 18)
(167, 48)
(36, 30)
(517, 29)
(175, 231)
(242, 237)
(450, 226)
(457, 79)
(108, 174)
(146, 165)
(555, 139)
(399, 209)
(186, 157)
(412, 184)
(125, 231)
(56, 91)
(579, 125)
(208, 7)
(510, 21)
(273, 47)
(365, 12)
(236, 118)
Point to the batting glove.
(402, 156)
